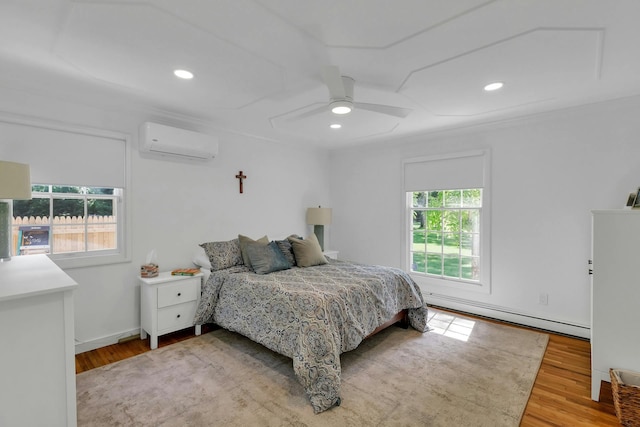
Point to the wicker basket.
(625, 386)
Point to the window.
(78, 212)
(67, 220)
(445, 236)
(447, 211)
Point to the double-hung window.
(445, 234)
(447, 217)
(77, 213)
(67, 220)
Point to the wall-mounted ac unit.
(167, 140)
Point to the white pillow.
(201, 259)
(206, 272)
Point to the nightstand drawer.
(178, 293)
(176, 317)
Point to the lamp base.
(318, 230)
(5, 232)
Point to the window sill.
(78, 261)
(434, 284)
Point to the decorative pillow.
(307, 252)
(287, 250)
(266, 258)
(223, 254)
(244, 241)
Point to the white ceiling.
(258, 63)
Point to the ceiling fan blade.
(310, 113)
(385, 109)
(333, 79)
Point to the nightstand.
(167, 304)
(331, 254)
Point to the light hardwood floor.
(561, 395)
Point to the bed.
(310, 313)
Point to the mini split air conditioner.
(169, 141)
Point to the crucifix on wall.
(241, 177)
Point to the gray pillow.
(307, 252)
(266, 258)
(287, 251)
(223, 254)
(244, 241)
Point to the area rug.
(464, 372)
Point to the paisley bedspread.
(311, 314)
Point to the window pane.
(36, 207)
(434, 264)
(469, 269)
(418, 262)
(419, 241)
(472, 198)
(466, 244)
(418, 220)
(100, 207)
(101, 233)
(434, 199)
(451, 266)
(68, 207)
(419, 199)
(451, 220)
(434, 242)
(66, 189)
(451, 243)
(68, 225)
(98, 190)
(30, 236)
(434, 220)
(453, 198)
(68, 234)
(470, 220)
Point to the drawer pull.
(179, 293)
(178, 316)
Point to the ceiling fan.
(341, 97)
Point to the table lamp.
(15, 183)
(319, 217)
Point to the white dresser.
(37, 357)
(168, 304)
(615, 294)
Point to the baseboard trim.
(508, 315)
(93, 344)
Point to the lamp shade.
(319, 216)
(15, 180)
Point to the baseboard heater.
(508, 315)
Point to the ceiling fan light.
(341, 107)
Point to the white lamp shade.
(15, 180)
(319, 216)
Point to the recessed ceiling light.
(335, 126)
(183, 74)
(493, 86)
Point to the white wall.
(177, 204)
(548, 172)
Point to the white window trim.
(440, 285)
(77, 260)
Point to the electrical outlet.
(544, 298)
